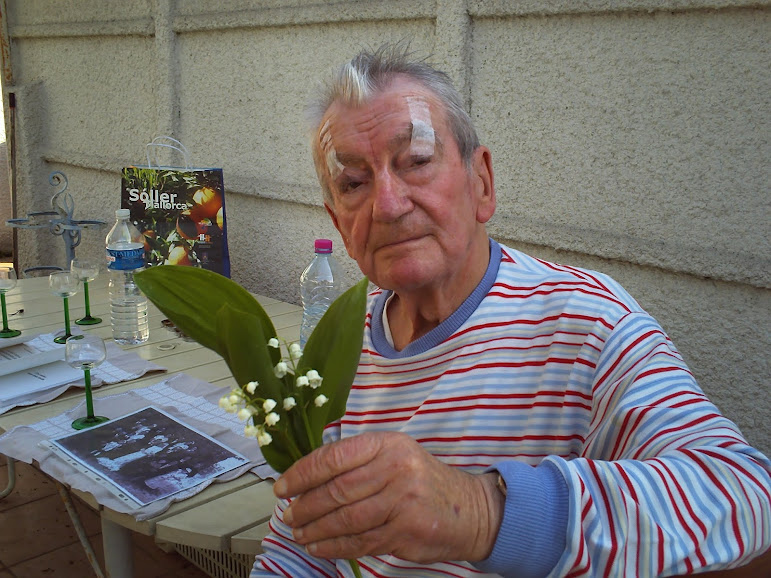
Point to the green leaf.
(221, 315)
(334, 349)
(277, 453)
(245, 349)
(191, 296)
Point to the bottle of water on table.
(321, 283)
(128, 306)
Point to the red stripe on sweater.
(687, 527)
(625, 432)
(451, 355)
(456, 439)
(531, 322)
(696, 457)
(623, 356)
(407, 566)
(632, 495)
(456, 409)
(506, 257)
(581, 274)
(577, 289)
(481, 397)
(582, 551)
(680, 427)
(318, 569)
(737, 466)
(660, 535)
(608, 518)
(601, 418)
(462, 370)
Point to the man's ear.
(332, 215)
(483, 183)
(336, 223)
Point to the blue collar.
(447, 327)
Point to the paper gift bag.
(181, 212)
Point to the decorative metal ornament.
(59, 221)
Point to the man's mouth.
(400, 242)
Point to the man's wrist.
(533, 532)
(491, 515)
(501, 485)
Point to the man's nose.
(391, 199)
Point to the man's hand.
(381, 493)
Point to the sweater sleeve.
(532, 535)
(665, 484)
(283, 557)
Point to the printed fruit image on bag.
(181, 213)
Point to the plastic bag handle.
(176, 145)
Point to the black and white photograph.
(149, 454)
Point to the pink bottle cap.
(323, 246)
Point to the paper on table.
(32, 366)
(16, 387)
(24, 355)
(149, 454)
(119, 366)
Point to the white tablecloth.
(190, 400)
(119, 366)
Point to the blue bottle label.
(125, 259)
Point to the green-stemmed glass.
(86, 352)
(64, 284)
(86, 271)
(7, 282)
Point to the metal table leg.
(118, 558)
(81, 532)
(11, 477)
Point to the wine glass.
(86, 352)
(64, 284)
(7, 282)
(86, 271)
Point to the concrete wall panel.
(56, 15)
(100, 92)
(632, 134)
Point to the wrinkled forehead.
(395, 118)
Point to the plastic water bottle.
(128, 306)
(321, 283)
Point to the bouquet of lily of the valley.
(286, 401)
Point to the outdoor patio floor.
(37, 538)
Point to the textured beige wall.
(627, 136)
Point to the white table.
(211, 523)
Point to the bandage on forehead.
(423, 139)
(334, 166)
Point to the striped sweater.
(616, 463)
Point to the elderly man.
(509, 415)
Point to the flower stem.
(311, 438)
(293, 449)
(355, 567)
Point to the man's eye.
(348, 186)
(419, 161)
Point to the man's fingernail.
(288, 517)
(279, 488)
